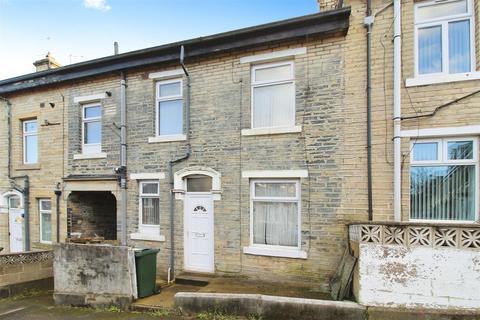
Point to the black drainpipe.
(170, 170)
(58, 193)
(368, 24)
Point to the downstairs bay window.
(443, 180)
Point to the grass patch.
(29, 293)
(215, 315)
(159, 313)
(113, 309)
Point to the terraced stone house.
(263, 151)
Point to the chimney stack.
(325, 5)
(47, 63)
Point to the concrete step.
(194, 279)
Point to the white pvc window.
(275, 213)
(45, 209)
(92, 128)
(273, 95)
(169, 105)
(149, 204)
(444, 37)
(30, 141)
(443, 180)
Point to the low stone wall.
(269, 307)
(425, 266)
(94, 275)
(25, 267)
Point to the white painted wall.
(427, 277)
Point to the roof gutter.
(333, 22)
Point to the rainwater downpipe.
(397, 78)
(171, 163)
(368, 22)
(123, 159)
(26, 211)
(58, 193)
(26, 182)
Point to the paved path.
(41, 307)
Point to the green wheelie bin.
(146, 265)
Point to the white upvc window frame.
(443, 22)
(297, 199)
(43, 212)
(158, 99)
(26, 134)
(148, 229)
(258, 84)
(442, 160)
(91, 148)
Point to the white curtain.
(275, 223)
(46, 227)
(274, 106)
(150, 211)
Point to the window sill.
(274, 130)
(147, 237)
(427, 80)
(443, 222)
(171, 138)
(35, 166)
(100, 155)
(274, 252)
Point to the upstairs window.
(443, 175)
(273, 95)
(30, 141)
(444, 37)
(92, 128)
(169, 102)
(149, 207)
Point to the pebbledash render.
(275, 161)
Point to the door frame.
(186, 222)
(22, 236)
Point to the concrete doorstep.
(269, 307)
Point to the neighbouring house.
(267, 153)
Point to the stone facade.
(4, 241)
(47, 106)
(415, 100)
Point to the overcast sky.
(78, 30)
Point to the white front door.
(198, 230)
(15, 224)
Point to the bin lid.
(144, 252)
